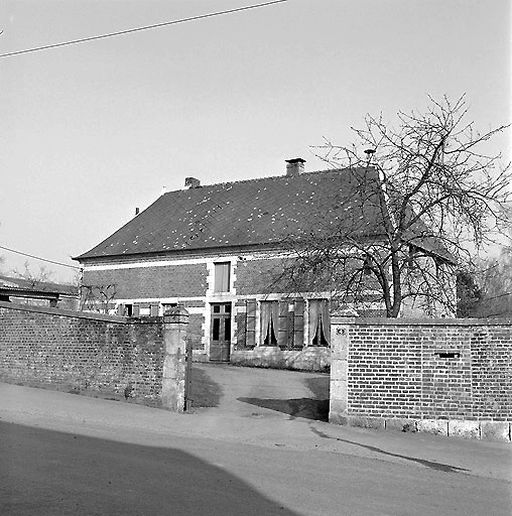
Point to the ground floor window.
(139, 309)
(281, 323)
(319, 322)
(269, 322)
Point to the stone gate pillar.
(338, 406)
(175, 368)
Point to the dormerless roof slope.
(26, 285)
(256, 212)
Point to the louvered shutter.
(241, 328)
(298, 325)
(282, 334)
(250, 341)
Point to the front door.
(220, 332)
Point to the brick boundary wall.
(451, 377)
(79, 351)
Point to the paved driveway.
(258, 392)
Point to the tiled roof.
(253, 212)
(25, 285)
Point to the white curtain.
(222, 277)
(269, 321)
(319, 322)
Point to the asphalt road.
(68, 454)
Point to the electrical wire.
(138, 29)
(39, 258)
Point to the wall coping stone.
(402, 321)
(64, 313)
(176, 315)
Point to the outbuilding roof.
(26, 286)
(255, 212)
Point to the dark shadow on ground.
(46, 472)
(297, 407)
(438, 466)
(70, 388)
(204, 392)
(319, 386)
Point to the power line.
(39, 258)
(138, 29)
(497, 297)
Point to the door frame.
(220, 348)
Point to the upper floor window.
(222, 277)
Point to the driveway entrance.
(258, 392)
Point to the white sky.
(89, 132)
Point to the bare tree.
(494, 281)
(97, 298)
(429, 199)
(43, 275)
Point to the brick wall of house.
(195, 328)
(387, 371)
(260, 276)
(195, 331)
(186, 280)
(80, 351)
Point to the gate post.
(338, 403)
(175, 368)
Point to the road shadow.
(47, 472)
(319, 386)
(315, 407)
(204, 392)
(438, 466)
(296, 407)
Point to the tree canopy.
(441, 199)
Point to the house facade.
(219, 250)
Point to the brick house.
(216, 248)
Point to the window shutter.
(298, 325)
(251, 324)
(282, 336)
(290, 322)
(241, 328)
(136, 311)
(326, 319)
(153, 310)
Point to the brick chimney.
(294, 166)
(192, 182)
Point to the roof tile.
(252, 212)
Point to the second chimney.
(294, 166)
(192, 182)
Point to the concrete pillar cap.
(176, 315)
